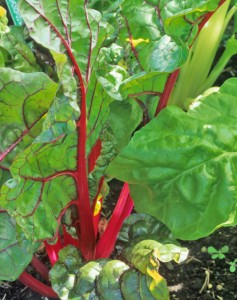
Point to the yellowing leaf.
(2, 11)
(98, 205)
(138, 41)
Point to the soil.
(200, 276)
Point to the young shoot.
(197, 75)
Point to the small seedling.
(218, 254)
(233, 265)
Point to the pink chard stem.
(40, 268)
(37, 286)
(122, 210)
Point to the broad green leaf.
(182, 165)
(14, 257)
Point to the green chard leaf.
(159, 33)
(43, 186)
(139, 227)
(45, 172)
(155, 38)
(21, 120)
(182, 166)
(14, 257)
(75, 43)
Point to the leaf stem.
(122, 210)
(167, 91)
(40, 268)
(196, 69)
(86, 232)
(37, 286)
(87, 236)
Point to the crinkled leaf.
(138, 227)
(64, 112)
(108, 284)
(136, 276)
(14, 257)
(144, 83)
(146, 254)
(183, 165)
(72, 278)
(111, 78)
(101, 279)
(145, 88)
(145, 257)
(103, 90)
(140, 34)
(158, 33)
(98, 101)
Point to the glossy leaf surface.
(182, 166)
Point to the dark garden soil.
(200, 277)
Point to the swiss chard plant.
(83, 91)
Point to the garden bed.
(187, 281)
